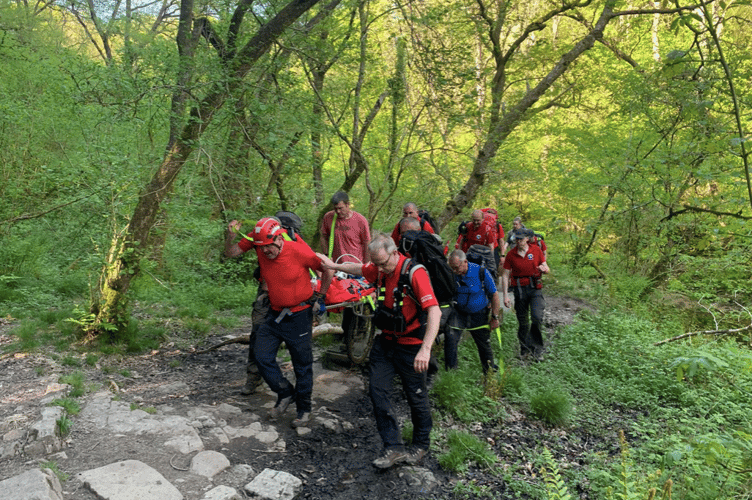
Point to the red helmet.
(266, 231)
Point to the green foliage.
(556, 489)
(76, 381)
(459, 394)
(91, 359)
(62, 476)
(465, 449)
(69, 360)
(551, 404)
(71, 406)
(697, 367)
(64, 425)
(470, 489)
(628, 485)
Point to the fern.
(556, 489)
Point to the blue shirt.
(471, 295)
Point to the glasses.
(383, 263)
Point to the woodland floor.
(332, 466)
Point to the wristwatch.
(495, 316)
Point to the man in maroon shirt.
(404, 346)
(523, 267)
(350, 235)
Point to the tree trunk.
(126, 251)
(500, 129)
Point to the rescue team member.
(476, 296)
(410, 210)
(523, 267)
(285, 268)
(477, 233)
(403, 348)
(350, 235)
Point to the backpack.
(290, 222)
(425, 250)
(484, 257)
(426, 217)
(491, 217)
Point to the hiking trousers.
(529, 306)
(387, 359)
(477, 324)
(295, 331)
(261, 308)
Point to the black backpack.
(423, 248)
(291, 222)
(484, 257)
(426, 217)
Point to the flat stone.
(14, 435)
(209, 463)
(222, 493)
(129, 480)
(275, 485)
(44, 437)
(117, 416)
(175, 388)
(32, 485)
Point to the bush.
(466, 449)
(551, 404)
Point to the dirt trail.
(331, 465)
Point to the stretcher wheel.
(357, 323)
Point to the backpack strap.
(331, 235)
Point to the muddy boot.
(251, 384)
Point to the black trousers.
(529, 306)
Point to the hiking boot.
(252, 383)
(389, 458)
(281, 407)
(303, 418)
(416, 455)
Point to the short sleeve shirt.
(351, 237)
(471, 295)
(422, 289)
(288, 277)
(484, 234)
(522, 267)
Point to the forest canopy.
(131, 133)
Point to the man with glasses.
(475, 297)
(408, 316)
(523, 267)
(285, 269)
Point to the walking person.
(285, 269)
(408, 316)
(410, 210)
(344, 232)
(476, 297)
(523, 268)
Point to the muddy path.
(332, 465)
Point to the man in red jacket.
(408, 316)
